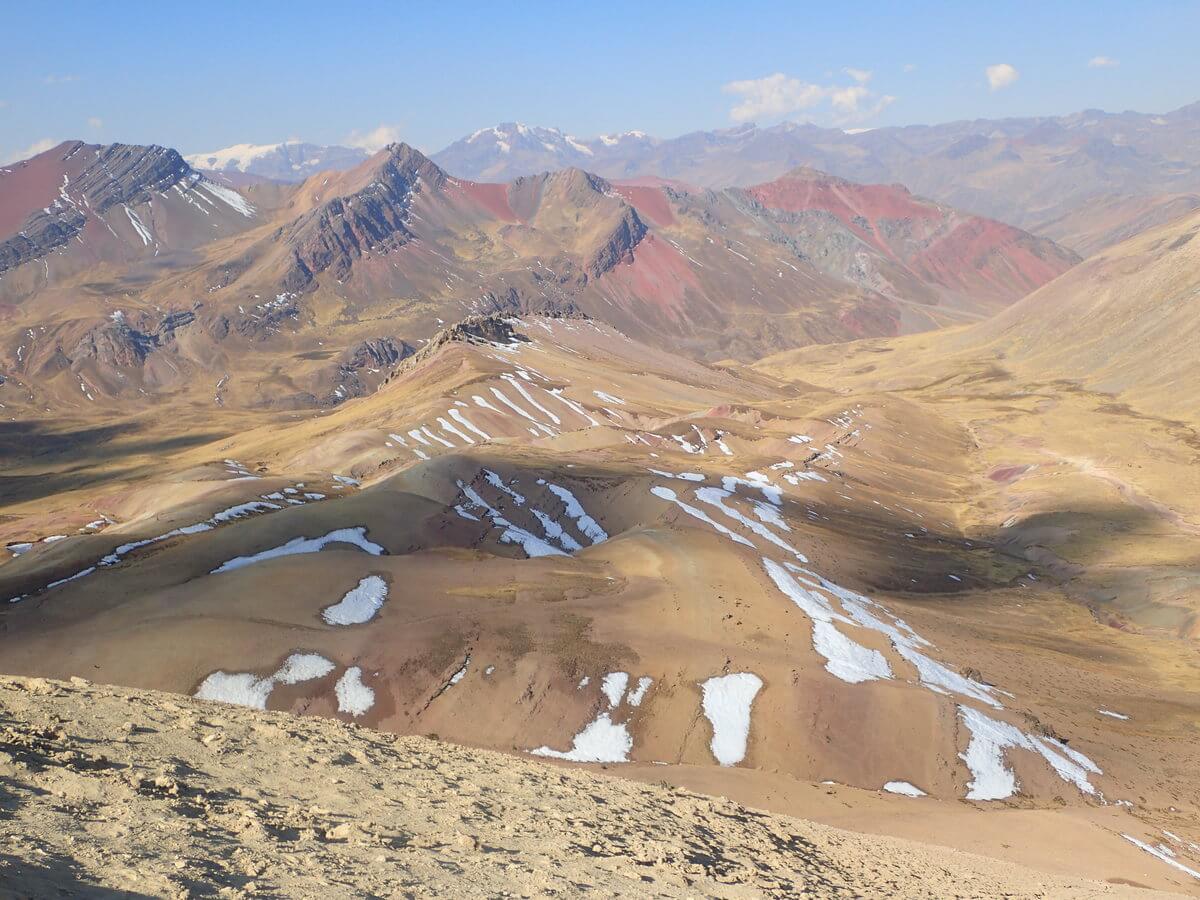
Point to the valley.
(821, 505)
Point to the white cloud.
(1103, 62)
(58, 79)
(32, 150)
(910, 67)
(374, 139)
(1001, 75)
(773, 96)
(95, 122)
(779, 95)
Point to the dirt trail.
(111, 790)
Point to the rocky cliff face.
(374, 219)
(91, 180)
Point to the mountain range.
(1086, 180)
(820, 493)
(131, 273)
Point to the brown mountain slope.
(1124, 323)
(915, 243)
(543, 537)
(1110, 219)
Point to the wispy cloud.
(59, 79)
(779, 95)
(374, 139)
(1001, 75)
(32, 150)
(1103, 62)
(910, 67)
(95, 122)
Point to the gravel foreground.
(108, 792)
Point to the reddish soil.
(650, 202)
(492, 197)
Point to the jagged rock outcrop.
(471, 330)
(42, 232)
(116, 344)
(618, 247)
(377, 353)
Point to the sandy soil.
(112, 792)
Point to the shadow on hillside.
(51, 874)
(81, 453)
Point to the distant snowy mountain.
(511, 149)
(286, 161)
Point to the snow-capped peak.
(238, 157)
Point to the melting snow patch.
(1113, 715)
(600, 741)
(614, 687)
(360, 603)
(717, 497)
(303, 667)
(356, 536)
(242, 688)
(247, 689)
(587, 526)
(903, 787)
(1161, 854)
(992, 779)
(726, 701)
(461, 673)
(353, 696)
(638, 693)
(847, 659)
(664, 493)
(684, 476)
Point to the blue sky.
(203, 76)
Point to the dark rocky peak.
(127, 173)
(98, 178)
(407, 164)
(372, 218)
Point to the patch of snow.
(727, 700)
(353, 696)
(359, 604)
(247, 689)
(613, 686)
(356, 536)
(669, 495)
(639, 693)
(1161, 854)
(1113, 715)
(716, 497)
(587, 526)
(903, 787)
(991, 779)
(601, 741)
